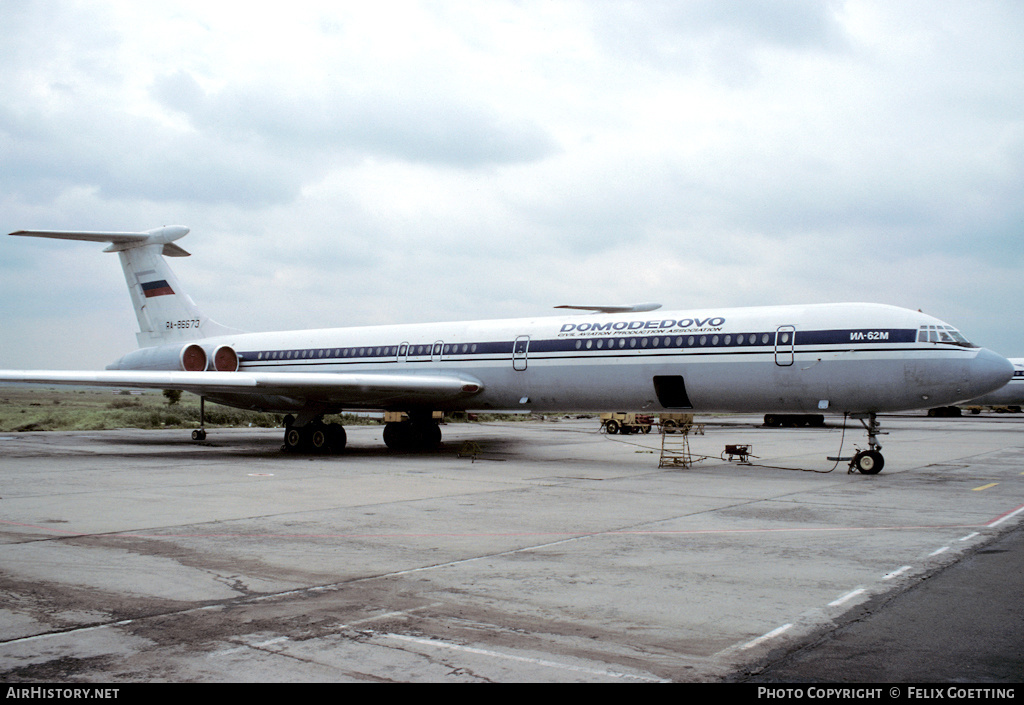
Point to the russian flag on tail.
(157, 288)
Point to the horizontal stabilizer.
(121, 240)
(623, 308)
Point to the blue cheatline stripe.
(754, 342)
(859, 335)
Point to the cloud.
(346, 123)
(78, 117)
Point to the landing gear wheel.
(199, 435)
(336, 437)
(294, 438)
(868, 462)
(318, 439)
(409, 436)
(395, 436)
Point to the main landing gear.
(309, 434)
(314, 436)
(418, 432)
(869, 462)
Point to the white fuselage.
(826, 358)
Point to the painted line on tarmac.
(889, 576)
(1005, 517)
(898, 572)
(766, 637)
(847, 597)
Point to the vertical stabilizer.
(164, 311)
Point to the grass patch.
(24, 408)
(29, 408)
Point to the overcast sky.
(344, 163)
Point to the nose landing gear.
(869, 462)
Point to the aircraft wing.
(358, 389)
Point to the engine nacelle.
(188, 358)
(193, 358)
(165, 358)
(225, 359)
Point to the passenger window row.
(678, 341)
(362, 352)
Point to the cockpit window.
(942, 334)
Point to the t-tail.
(166, 313)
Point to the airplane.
(854, 359)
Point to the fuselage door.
(785, 338)
(671, 392)
(519, 351)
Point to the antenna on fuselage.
(620, 308)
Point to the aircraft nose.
(989, 371)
